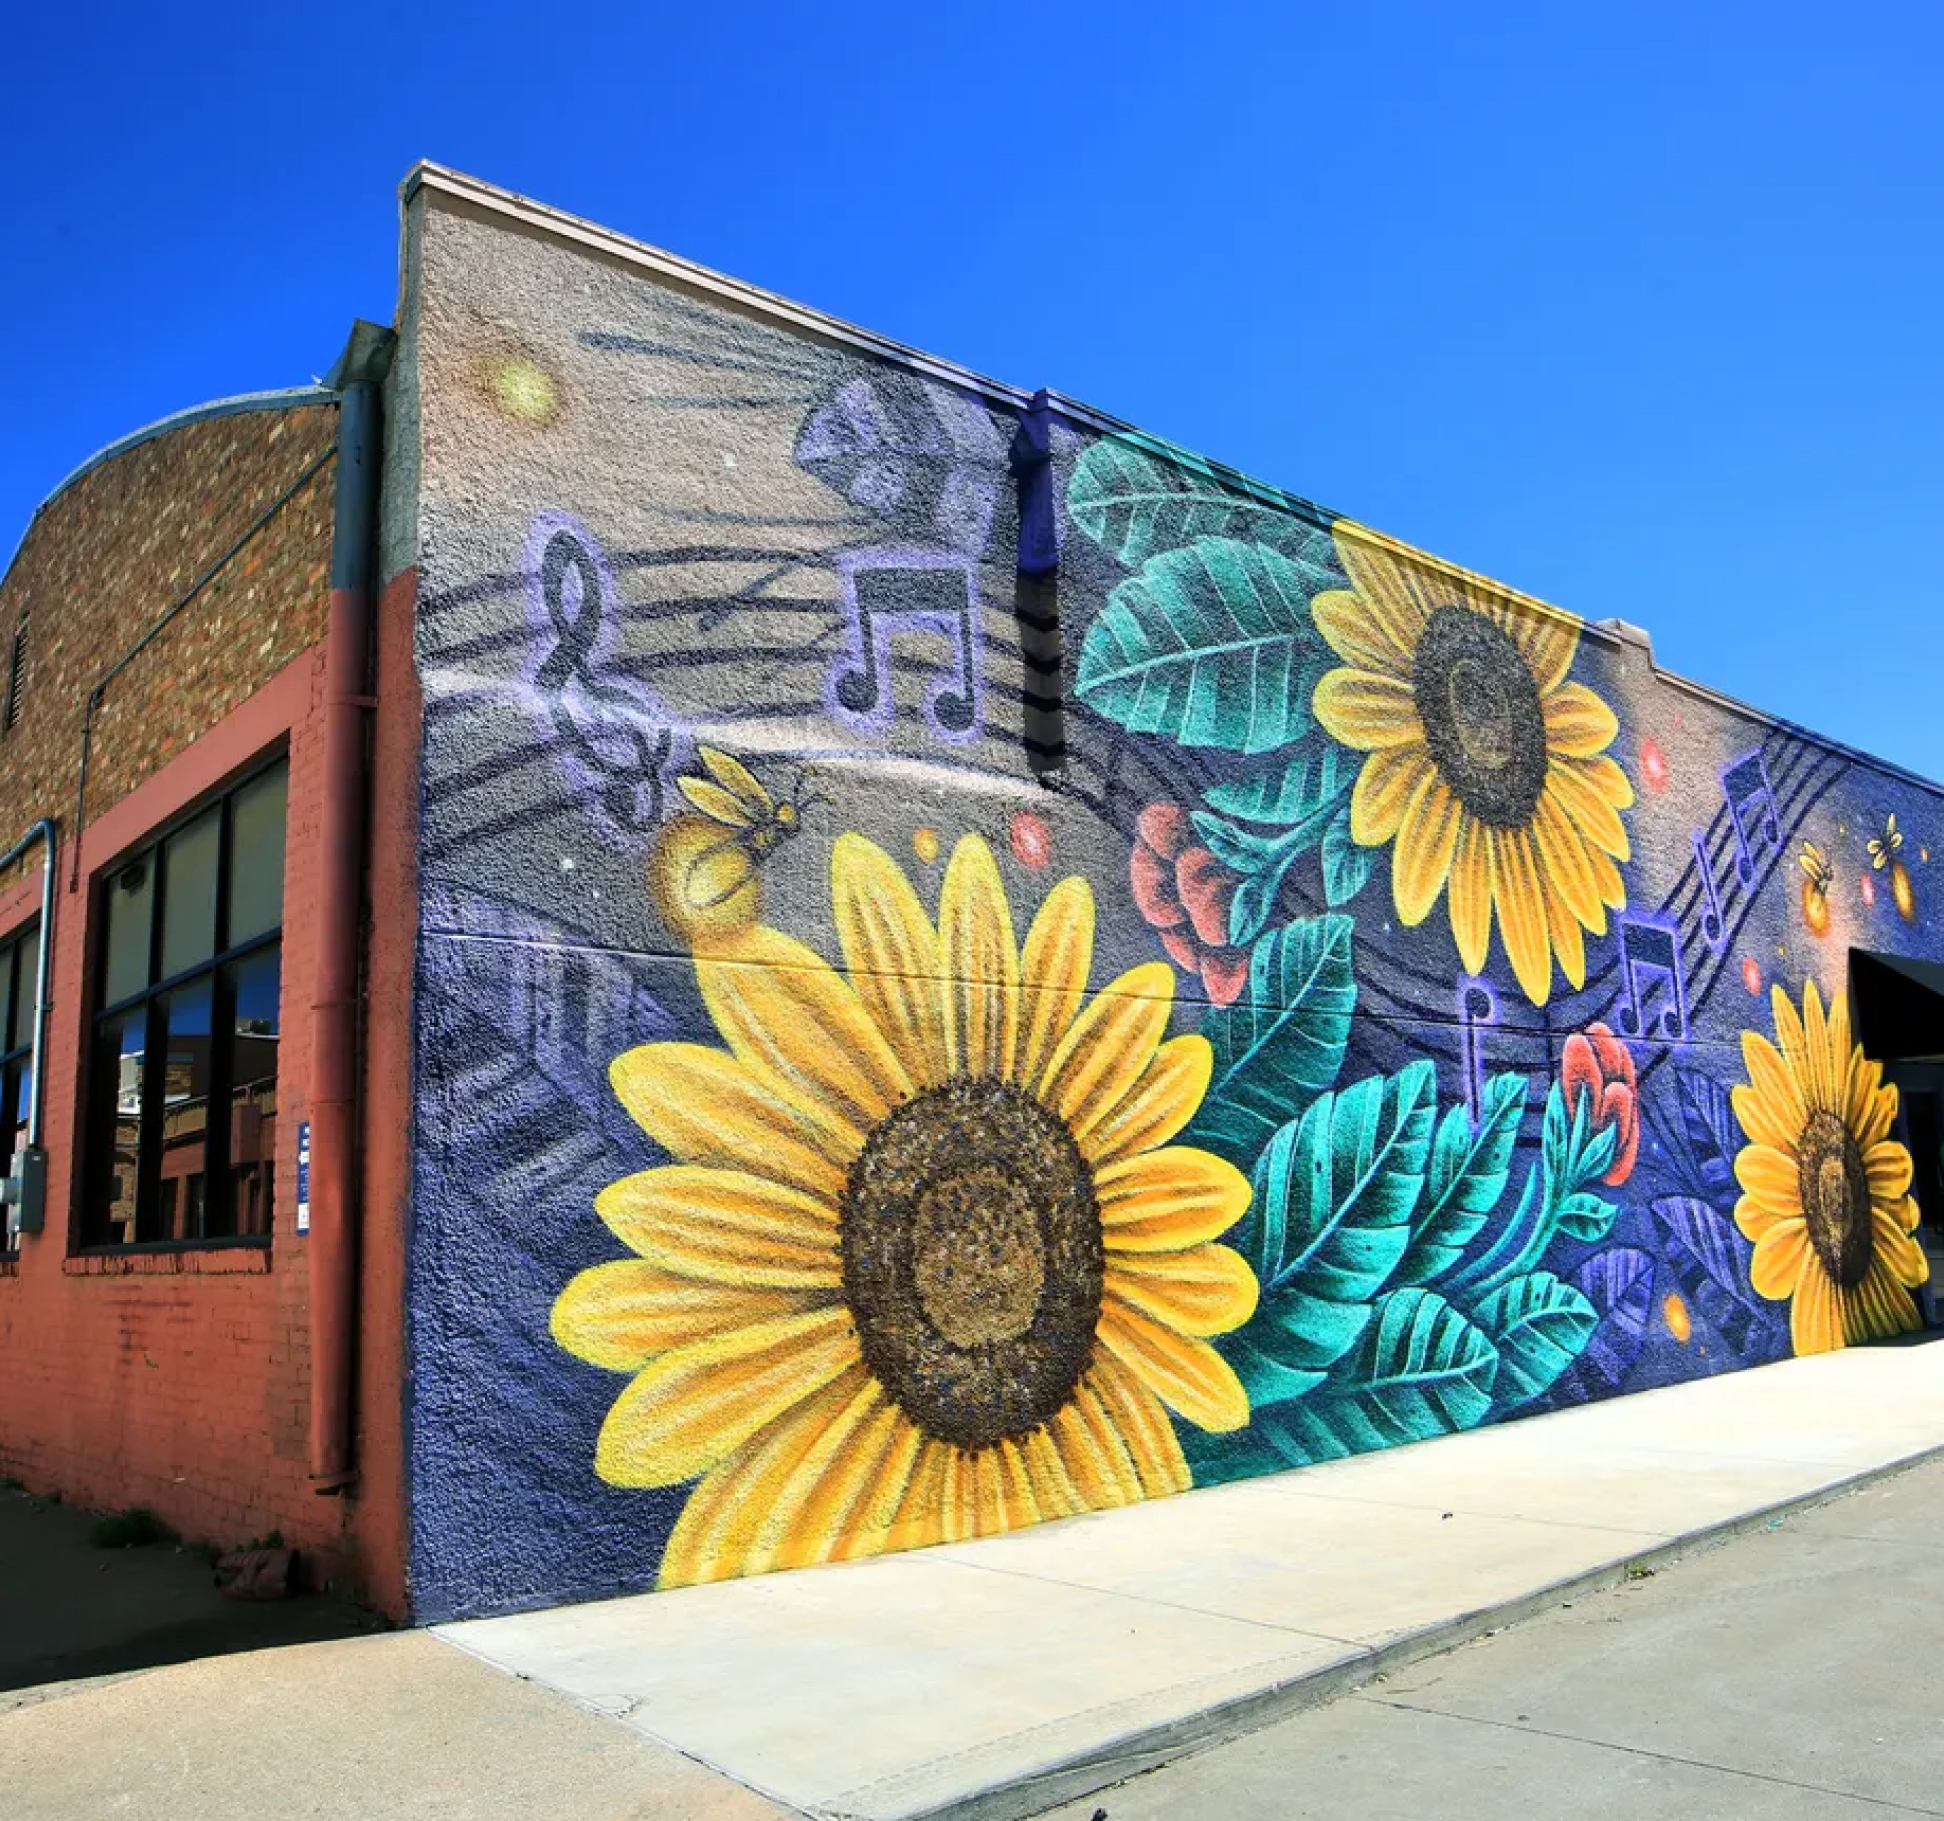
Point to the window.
(16, 676)
(19, 977)
(182, 1100)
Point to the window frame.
(20, 945)
(152, 1003)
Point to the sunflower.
(1487, 768)
(1825, 1188)
(926, 1265)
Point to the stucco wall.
(832, 1137)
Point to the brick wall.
(174, 1379)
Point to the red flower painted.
(1596, 1062)
(1185, 893)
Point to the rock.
(257, 1574)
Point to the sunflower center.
(1835, 1198)
(1483, 722)
(973, 1261)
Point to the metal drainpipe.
(26, 1217)
(332, 1101)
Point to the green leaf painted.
(1211, 645)
(1540, 1326)
(1421, 1370)
(1329, 1221)
(1346, 865)
(1262, 860)
(1468, 1173)
(1584, 1216)
(1309, 786)
(1134, 503)
(1282, 1043)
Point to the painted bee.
(1820, 876)
(703, 875)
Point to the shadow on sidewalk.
(69, 1610)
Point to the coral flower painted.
(1825, 1189)
(1596, 1064)
(1184, 892)
(1488, 772)
(927, 1264)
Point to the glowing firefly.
(1818, 878)
(1679, 1324)
(704, 867)
(1884, 855)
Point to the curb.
(1148, 1748)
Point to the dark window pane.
(26, 988)
(9, 973)
(257, 856)
(189, 893)
(185, 1101)
(131, 893)
(18, 1095)
(114, 1129)
(254, 990)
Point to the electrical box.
(25, 1193)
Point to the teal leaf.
(1208, 646)
(1134, 504)
(1540, 1326)
(1309, 787)
(1262, 860)
(1282, 1043)
(1422, 1370)
(1331, 1217)
(1252, 906)
(1468, 1173)
(1346, 866)
(1584, 1216)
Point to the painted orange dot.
(1675, 1313)
(1032, 840)
(1751, 975)
(1653, 763)
(924, 843)
(1869, 891)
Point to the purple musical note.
(1714, 925)
(1751, 807)
(1477, 1007)
(887, 591)
(1650, 951)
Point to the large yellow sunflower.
(1486, 767)
(1825, 1188)
(926, 1265)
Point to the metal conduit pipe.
(26, 1185)
(332, 1100)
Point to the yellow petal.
(1055, 1490)
(1578, 724)
(874, 1526)
(1106, 1049)
(1571, 789)
(1816, 1315)
(1880, 1115)
(1819, 1083)
(1778, 1260)
(981, 960)
(792, 1020)
(1189, 1376)
(705, 1107)
(816, 1504)
(1361, 633)
(1134, 1415)
(1208, 1290)
(1879, 1308)
(745, 1514)
(1789, 1040)
(1392, 590)
(725, 1226)
(1521, 911)
(924, 1511)
(1568, 948)
(1897, 1247)
(1053, 970)
(1097, 1460)
(1470, 898)
(621, 1314)
(695, 1405)
(1426, 839)
(1161, 1101)
(1613, 889)
(1383, 791)
(891, 951)
(1771, 1178)
(1564, 863)
(1366, 711)
(1770, 1108)
(1168, 1200)
(1888, 1167)
(1547, 642)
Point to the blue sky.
(1635, 307)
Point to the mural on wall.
(1402, 1010)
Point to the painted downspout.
(333, 1097)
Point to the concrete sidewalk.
(997, 1678)
(994, 1679)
